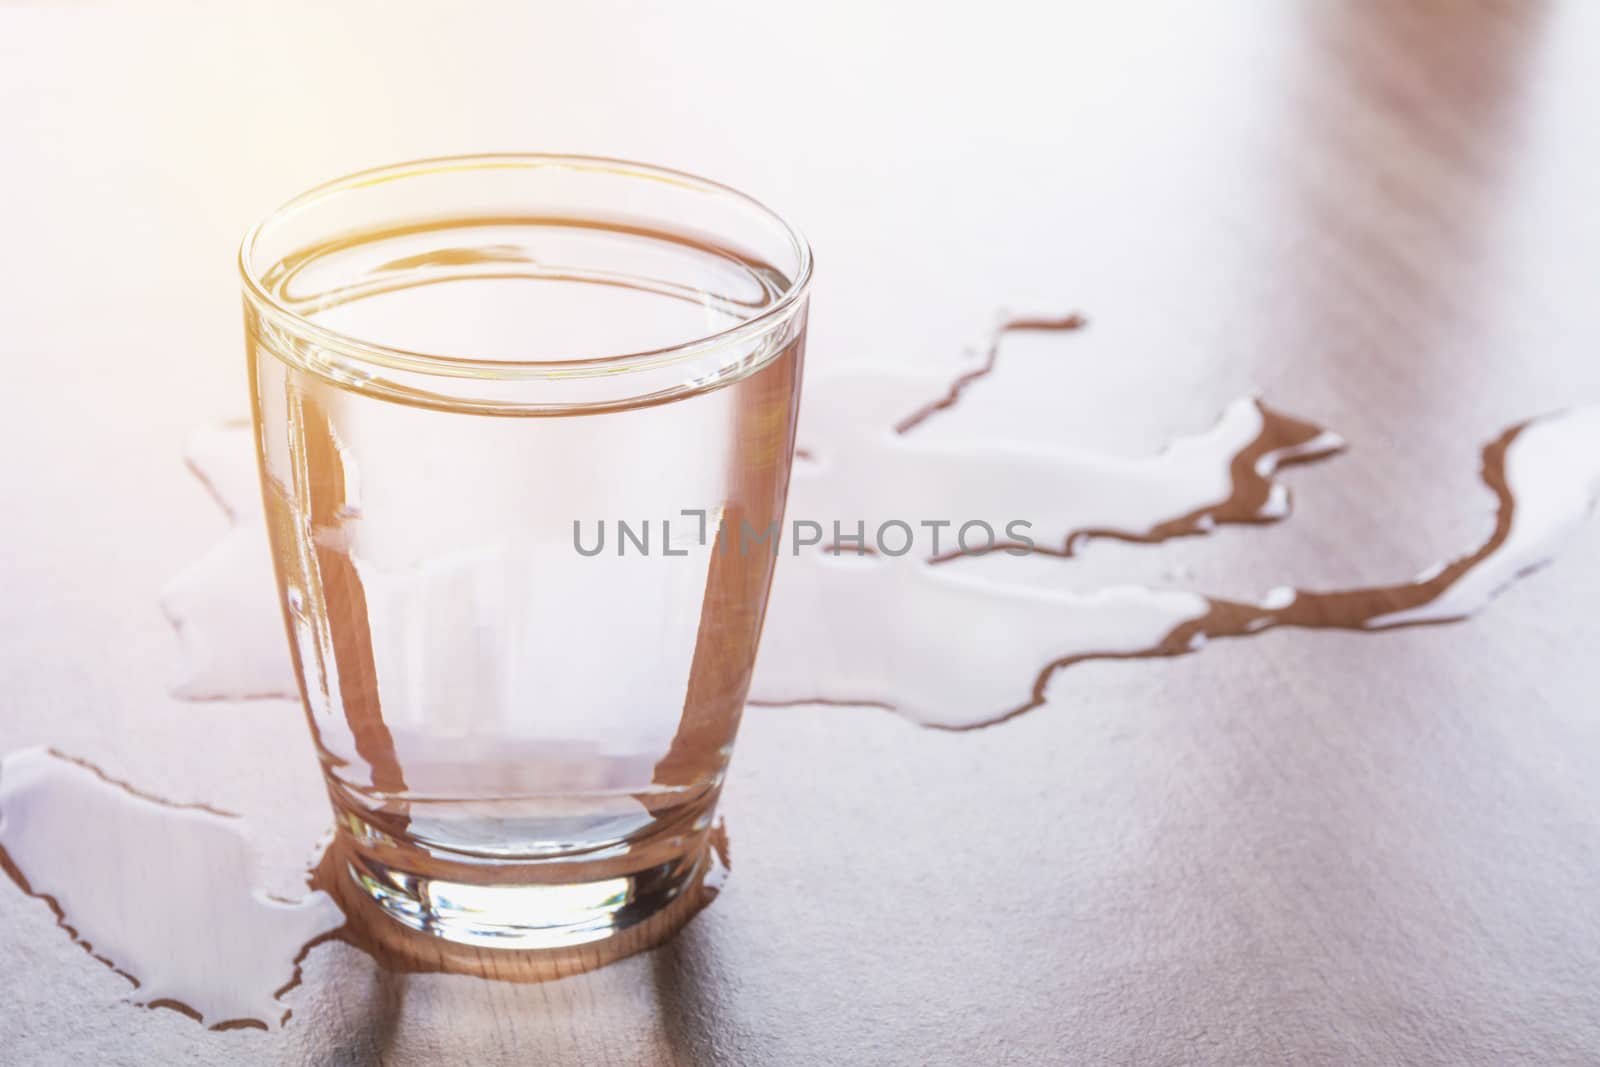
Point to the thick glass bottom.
(543, 883)
(539, 905)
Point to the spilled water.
(952, 650)
(917, 634)
(160, 892)
(980, 645)
(224, 608)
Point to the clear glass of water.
(467, 374)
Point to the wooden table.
(1302, 847)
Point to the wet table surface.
(1365, 828)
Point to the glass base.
(539, 907)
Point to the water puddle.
(970, 652)
(224, 608)
(159, 892)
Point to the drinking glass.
(513, 414)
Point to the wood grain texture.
(1302, 848)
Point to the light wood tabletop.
(1283, 747)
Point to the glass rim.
(402, 359)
